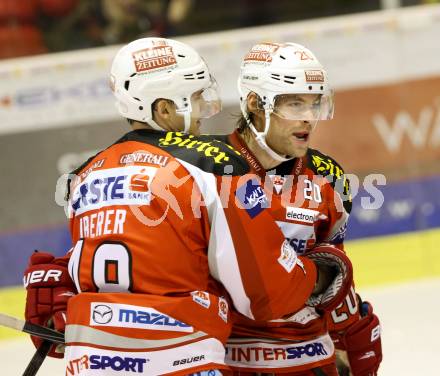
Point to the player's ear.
(162, 109)
(252, 102)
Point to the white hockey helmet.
(151, 68)
(273, 70)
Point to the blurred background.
(383, 59)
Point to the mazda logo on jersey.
(131, 316)
(101, 314)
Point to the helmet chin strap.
(187, 123)
(187, 119)
(260, 137)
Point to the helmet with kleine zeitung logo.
(148, 69)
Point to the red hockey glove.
(362, 343)
(48, 286)
(334, 267)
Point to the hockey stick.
(33, 329)
(38, 359)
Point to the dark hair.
(242, 123)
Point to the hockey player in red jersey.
(169, 231)
(284, 93)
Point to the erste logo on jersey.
(299, 245)
(153, 58)
(115, 186)
(300, 236)
(131, 316)
(253, 198)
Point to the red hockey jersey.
(169, 230)
(309, 199)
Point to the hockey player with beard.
(284, 93)
(169, 230)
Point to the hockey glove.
(49, 287)
(362, 343)
(335, 269)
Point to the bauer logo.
(192, 359)
(301, 215)
(314, 76)
(38, 276)
(154, 58)
(130, 316)
(116, 186)
(252, 196)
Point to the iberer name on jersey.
(104, 222)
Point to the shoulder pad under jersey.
(327, 167)
(76, 172)
(205, 151)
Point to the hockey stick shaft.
(38, 359)
(32, 329)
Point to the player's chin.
(301, 152)
(298, 149)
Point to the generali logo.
(154, 58)
(262, 52)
